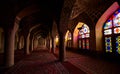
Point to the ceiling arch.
(27, 11)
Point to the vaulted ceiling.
(28, 13)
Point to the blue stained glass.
(114, 14)
(116, 44)
(108, 44)
(108, 47)
(118, 10)
(108, 40)
(108, 20)
(112, 23)
(108, 24)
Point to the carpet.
(72, 68)
(39, 62)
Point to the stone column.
(27, 44)
(54, 46)
(62, 48)
(9, 45)
(32, 44)
(1, 42)
(9, 48)
(52, 50)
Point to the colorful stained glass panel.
(116, 19)
(80, 32)
(108, 24)
(87, 43)
(87, 35)
(83, 36)
(118, 44)
(117, 30)
(108, 44)
(85, 29)
(83, 44)
(108, 32)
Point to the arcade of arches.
(74, 26)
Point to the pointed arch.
(81, 36)
(100, 23)
(75, 34)
(111, 32)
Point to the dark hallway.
(60, 37)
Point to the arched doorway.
(111, 32)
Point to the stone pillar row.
(9, 46)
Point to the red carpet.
(40, 62)
(73, 69)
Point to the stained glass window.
(108, 44)
(112, 33)
(108, 32)
(83, 44)
(84, 37)
(117, 30)
(108, 24)
(87, 35)
(118, 44)
(87, 43)
(116, 19)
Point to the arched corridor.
(60, 37)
